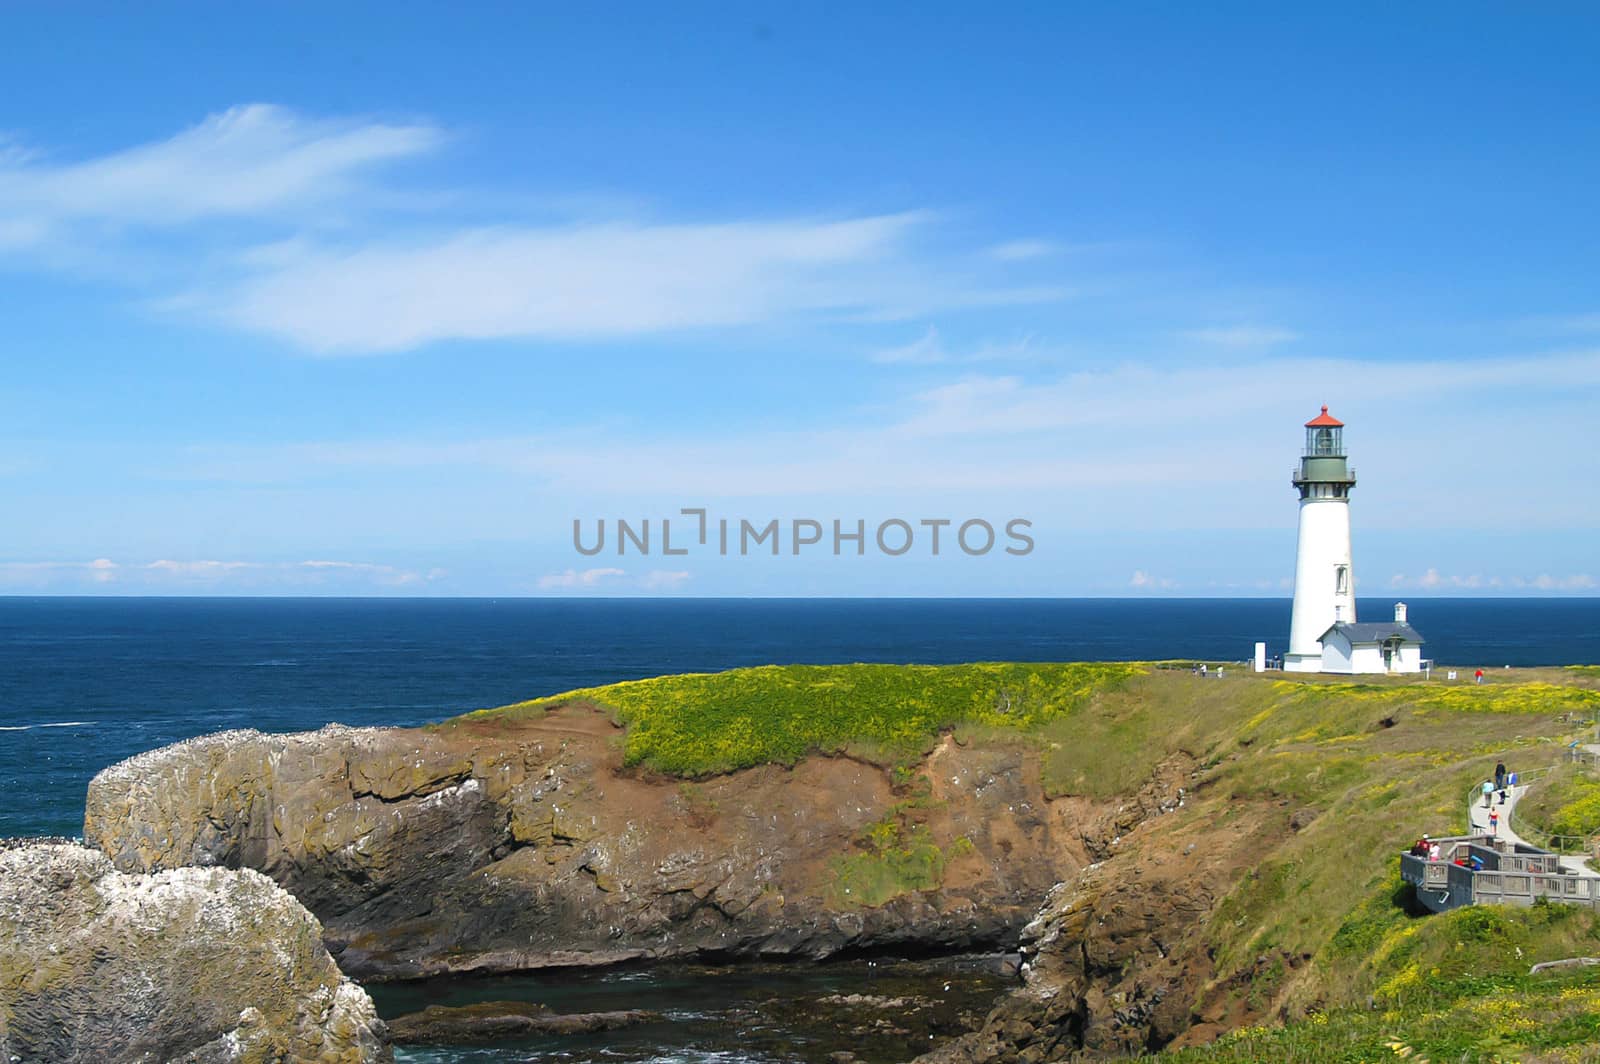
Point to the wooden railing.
(1523, 887)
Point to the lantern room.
(1324, 436)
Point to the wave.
(52, 724)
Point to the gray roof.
(1378, 632)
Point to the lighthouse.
(1324, 586)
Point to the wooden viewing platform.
(1500, 867)
(1511, 873)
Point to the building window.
(1341, 579)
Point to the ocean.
(86, 682)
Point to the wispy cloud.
(665, 579)
(612, 579)
(272, 222)
(1242, 337)
(585, 280)
(1432, 580)
(573, 579)
(248, 161)
(1143, 581)
(1124, 428)
(1021, 250)
(1150, 394)
(1579, 324)
(98, 571)
(170, 573)
(931, 349)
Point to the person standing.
(1478, 676)
(1494, 822)
(1500, 776)
(1488, 794)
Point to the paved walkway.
(1478, 818)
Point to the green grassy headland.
(1368, 765)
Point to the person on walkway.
(1494, 821)
(1488, 793)
(1500, 776)
(1433, 852)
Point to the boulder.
(203, 966)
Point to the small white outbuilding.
(1384, 647)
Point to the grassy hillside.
(1448, 988)
(1454, 987)
(1372, 766)
(1353, 770)
(699, 724)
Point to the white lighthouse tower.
(1324, 585)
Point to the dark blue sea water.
(86, 682)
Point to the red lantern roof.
(1322, 420)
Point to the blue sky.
(379, 299)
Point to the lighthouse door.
(1388, 657)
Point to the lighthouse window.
(1341, 579)
(1324, 441)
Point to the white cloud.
(247, 161)
(314, 265)
(612, 578)
(202, 568)
(1155, 395)
(99, 571)
(1242, 337)
(21, 232)
(1018, 250)
(1143, 581)
(586, 280)
(167, 572)
(1574, 582)
(1123, 429)
(926, 348)
(1432, 580)
(930, 349)
(576, 578)
(1567, 323)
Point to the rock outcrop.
(203, 966)
(1115, 964)
(493, 1021)
(511, 845)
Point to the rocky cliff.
(515, 845)
(1221, 852)
(1117, 964)
(197, 965)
